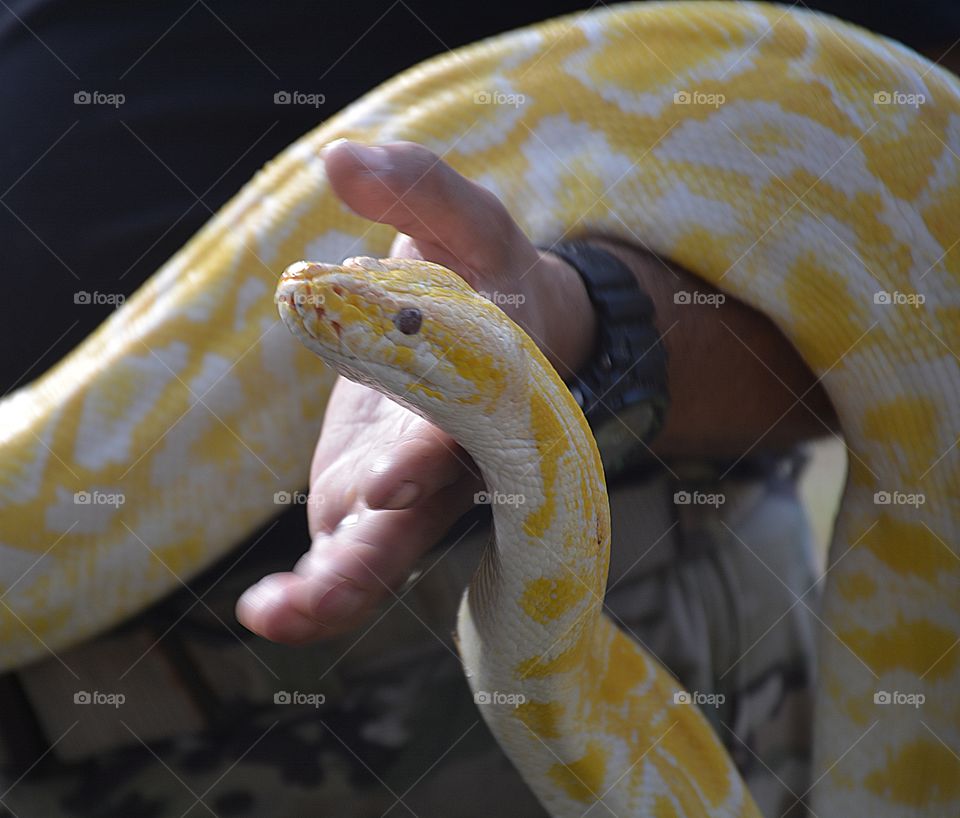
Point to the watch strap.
(629, 368)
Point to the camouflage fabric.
(182, 713)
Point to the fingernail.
(374, 160)
(265, 594)
(339, 603)
(330, 146)
(404, 496)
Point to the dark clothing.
(95, 197)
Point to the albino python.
(800, 164)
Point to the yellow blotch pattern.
(909, 548)
(860, 708)
(905, 159)
(698, 246)
(543, 718)
(663, 808)
(919, 646)
(900, 779)
(620, 669)
(942, 218)
(545, 599)
(859, 473)
(551, 445)
(794, 94)
(693, 744)
(818, 299)
(403, 356)
(473, 364)
(679, 44)
(418, 386)
(908, 422)
(856, 587)
(886, 257)
(583, 779)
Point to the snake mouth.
(300, 301)
(326, 306)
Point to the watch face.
(620, 435)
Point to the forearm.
(736, 382)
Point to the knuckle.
(420, 166)
(500, 218)
(495, 209)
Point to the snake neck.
(547, 563)
(539, 587)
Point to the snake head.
(411, 328)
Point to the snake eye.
(408, 320)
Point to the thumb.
(451, 219)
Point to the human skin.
(385, 485)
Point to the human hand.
(385, 485)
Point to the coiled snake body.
(802, 165)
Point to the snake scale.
(802, 165)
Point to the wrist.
(568, 319)
(623, 389)
(736, 383)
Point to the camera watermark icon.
(698, 698)
(498, 98)
(503, 299)
(97, 697)
(697, 298)
(698, 98)
(299, 98)
(98, 498)
(498, 498)
(303, 299)
(884, 697)
(898, 98)
(98, 98)
(98, 298)
(899, 498)
(297, 498)
(698, 498)
(298, 697)
(899, 299)
(497, 697)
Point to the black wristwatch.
(623, 390)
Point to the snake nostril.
(408, 320)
